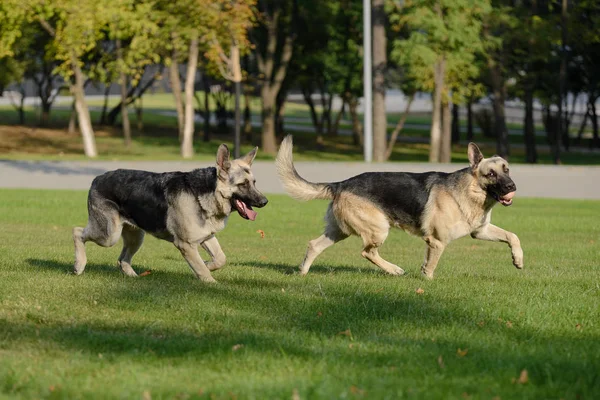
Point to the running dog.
(438, 207)
(185, 208)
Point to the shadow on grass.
(293, 269)
(93, 268)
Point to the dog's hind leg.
(217, 257)
(435, 248)
(132, 241)
(372, 241)
(103, 228)
(332, 235)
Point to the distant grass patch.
(344, 331)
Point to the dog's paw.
(426, 275)
(396, 271)
(517, 258)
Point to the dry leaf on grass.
(440, 361)
(295, 394)
(509, 324)
(522, 379)
(461, 353)
(236, 347)
(146, 273)
(578, 327)
(357, 390)
(419, 291)
(146, 395)
(262, 233)
(347, 332)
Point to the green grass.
(344, 331)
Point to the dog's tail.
(296, 186)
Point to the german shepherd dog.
(438, 207)
(185, 208)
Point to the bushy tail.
(296, 186)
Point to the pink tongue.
(251, 214)
(508, 196)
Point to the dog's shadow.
(67, 268)
(293, 269)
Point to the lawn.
(344, 331)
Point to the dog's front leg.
(435, 248)
(217, 257)
(495, 234)
(189, 251)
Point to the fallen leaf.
(236, 347)
(496, 398)
(100, 355)
(419, 291)
(319, 314)
(146, 395)
(146, 273)
(461, 353)
(440, 361)
(523, 377)
(466, 395)
(52, 388)
(263, 258)
(578, 327)
(262, 233)
(509, 324)
(356, 390)
(282, 290)
(346, 333)
(481, 324)
(295, 394)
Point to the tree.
(439, 54)
(379, 85)
(273, 39)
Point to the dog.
(438, 207)
(185, 208)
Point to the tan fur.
(452, 211)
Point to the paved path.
(570, 182)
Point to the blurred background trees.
(469, 58)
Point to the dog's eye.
(492, 174)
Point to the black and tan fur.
(185, 208)
(438, 207)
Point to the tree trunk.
(500, 129)
(102, 120)
(583, 124)
(206, 87)
(529, 127)
(455, 124)
(306, 93)
(561, 132)
(357, 129)
(336, 124)
(72, 120)
(83, 113)
(268, 120)
(139, 110)
(22, 106)
(132, 96)
(247, 118)
(398, 128)
(123, 82)
(436, 123)
(446, 144)
(176, 89)
(595, 141)
(379, 68)
(469, 121)
(236, 71)
(187, 144)
(45, 116)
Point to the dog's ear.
(223, 162)
(474, 154)
(248, 158)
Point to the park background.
(89, 86)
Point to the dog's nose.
(511, 187)
(263, 202)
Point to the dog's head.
(239, 183)
(492, 175)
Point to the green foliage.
(344, 331)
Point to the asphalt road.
(566, 182)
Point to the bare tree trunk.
(247, 118)
(268, 120)
(596, 140)
(436, 123)
(583, 124)
(187, 144)
(124, 112)
(469, 120)
(529, 127)
(357, 129)
(139, 110)
(446, 144)
(561, 132)
(236, 71)
(176, 89)
(83, 113)
(102, 120)
(455, 124)
(338, 118)
(500, 129)
(398, 128)
(306, 93)
(379, 68)
(72, 120)
(206, 87)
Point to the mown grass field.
(344, 331)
